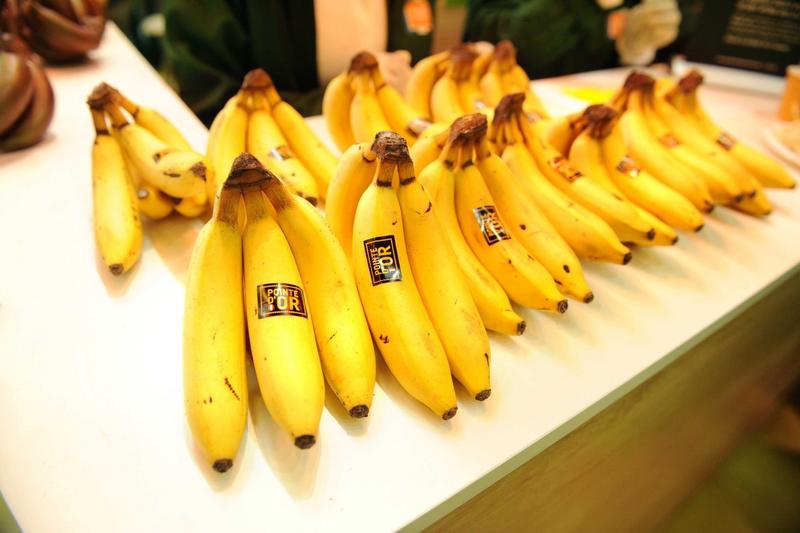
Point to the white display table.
(93, 432)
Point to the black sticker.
(490, 224)
(382, 261)
(276, 299)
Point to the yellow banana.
(445, 99)
(192, 207)
(401, 116)
(585, 232)
(559, 131)
(420, 83)
(117, 228)
(496, 312)
(336, 110)
(397, 317)
(615, 210)
(282, 339)
(768, 171)
(366, 116)
(227, 138)
(154, 122)
(214, 371)
(428, 148)
(531, 228)
(643, 189)
(443, 287)
(515, 79)
(343, 339)
(587, 156)
(267, 143)
(152, 202)
(179, 173)
(353, 175)
(722, 187)
(310, 150)
(689, 135)
(522, 277)
(657, 159)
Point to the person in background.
(209, 45)
(555, 37)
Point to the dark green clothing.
(210, 45)
(554, 37)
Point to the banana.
(154, 122)
(516, 79)
(310, 150)
(642, 188)
(117, 228)
(443, 287)
(428, 148)
(445, 100)
(396, 314)
(279, 324)
(688, 134)
(420, 83)
(587, 156)
(496, 312)
(227, 138)
(768, 171)
(193, 206)
(152, 202)
(353, 175)
(402, 118)
(336, 110)
(522, 277)
(267, 143)
(178, 173)
(214, 371)
(722, 187)
(58, 38)
(615, 210)
(366, 116)
(531, 228)
(585, 232)
(560, 131)
(657, 159)
(491, 85)
(32, 124)
(343, 339)
(16, 89)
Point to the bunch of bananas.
(26, 96)
(140, 163)
(454, 83)
(58, 31)
(300, 307)
(256, 120)
(657, 133)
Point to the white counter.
(93, 432)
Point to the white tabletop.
(93, 433)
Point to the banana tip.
(222, 465)
(588, 298)
(651, 234)
(450, 413)
(521, 325)
(116, 269)
(359, 411)
(675, 240)
(482, 395)
(562, 306)
(698, 228)
(627, 258)
(305, 441)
